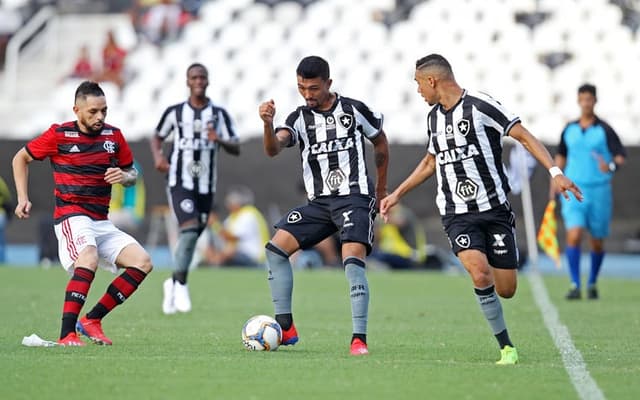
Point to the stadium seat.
(487, 47)
(287, 13)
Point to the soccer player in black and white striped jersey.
(199, 129)
(465, 152)
(330, 131)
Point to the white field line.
(574, 364)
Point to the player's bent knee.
(142, 261)
(506, 294)
(88, 258)
(146, 266)
(481, 278)
(135, 256)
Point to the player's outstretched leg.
(280, 276)
(118, 291)
(354, 269)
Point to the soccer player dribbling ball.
(330, 130)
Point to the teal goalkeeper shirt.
(581, 148)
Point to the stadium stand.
(252, 47)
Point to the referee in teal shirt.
(589, 153)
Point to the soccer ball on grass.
(261, 332)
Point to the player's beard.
(93, 128)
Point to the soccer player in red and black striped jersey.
(87, 157)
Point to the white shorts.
(76, 233)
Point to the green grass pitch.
(427, 339)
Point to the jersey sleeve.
(562, 146)
(43, 146)
(497, 114)
(167, 123)
(370, 121)
(613, 141)
(290, 125)
(125, 155)
(226, 128)
(430, 146)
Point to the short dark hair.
(197, 65)
(313, 67)
(587, 88)
(88, 88)
(434, 60)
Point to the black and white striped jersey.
(332, 146)
(467, 143)
(193, 156)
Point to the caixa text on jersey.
(195, 144)
(457, 154)
(330, 146)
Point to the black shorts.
(351, 216)
(492, 232)
(189, 204)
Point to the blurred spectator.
(127, 206)
(401, 242)
(112, 62)
(191, 7)
(162, 22)
(6, 211)
(83, 69)
(244, 232)
(137, 13)
(400, 12)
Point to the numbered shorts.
(593, 213)
(76, 233)
(351, 216)
(492, 232)
(189, 204)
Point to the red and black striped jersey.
(79, 162)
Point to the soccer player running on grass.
(465, 130)
(199, 128)
(330, 130)
(87, 156)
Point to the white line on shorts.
(574, 364)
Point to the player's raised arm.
(21, 178)
(273, 141)
(537, 149)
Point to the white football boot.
(181, 299)
(168, 306)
